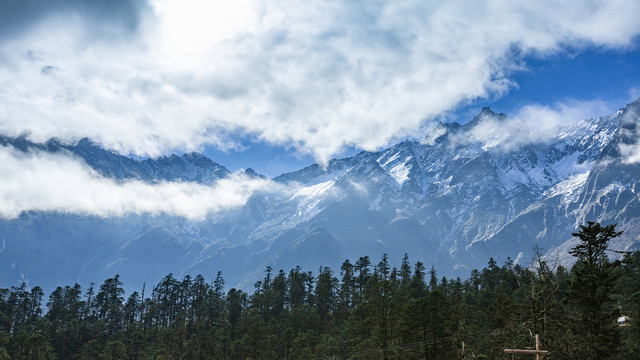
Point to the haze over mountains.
(462, 194)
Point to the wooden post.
(537, 352)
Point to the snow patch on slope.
(568, 188)
(314, 190)
(311, 197)
(400, 172)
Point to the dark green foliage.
(627, 295)
(368, 312)
(590, 293)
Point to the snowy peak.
(316, 173)
(253, 174)
(454, 199)
(188, 167)
(486, 114)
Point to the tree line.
(363, 310)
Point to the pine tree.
(347, 289)
(405, 271)
(590, 291)
(325, 295)
(108, 303)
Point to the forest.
(364, 310)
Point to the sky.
(279, 85)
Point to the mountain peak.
(438, 132)
(253, 174)
(486, 114)
(197, 158)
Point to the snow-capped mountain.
(463, 193)
(188, 167)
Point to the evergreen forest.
(364, 310)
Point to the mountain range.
(453, 199)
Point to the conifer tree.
(590, 291)
(347, 288)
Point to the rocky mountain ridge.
(453, 199)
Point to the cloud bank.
(315, 75)
(41, 181)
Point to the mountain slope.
(188, 167)
(489, 188)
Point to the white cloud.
(534, 123)
(630, 153)
(316, 75)
(41, 181)
(630, 145)
(634, 94)
(544, 121)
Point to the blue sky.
(612, 77)
(276, 86)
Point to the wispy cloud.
(630, 145)
(630, 153)
(40, 181)
(315, 75)
(534, 123)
